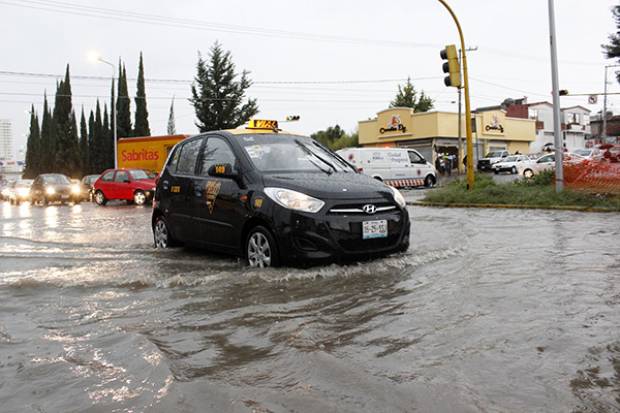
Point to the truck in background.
(148, 152)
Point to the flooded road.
(488, 311)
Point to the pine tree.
(107, 156)
(142, 114)
(97, 149)
(123, 105)
(407, 97)
(67, 158)
(612, 50)
(91, 144)
(33, 147)
(216, 94)
(172, 129)
(84, 162)
(48, 140)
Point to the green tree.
(123, 105)
(334, 137)
(612, 50)
(48, 140)
(98, 146)
(84, 157)
(172, 129)
(142, 115)
(91, 144)
(108, 155)
(66, 154)
(408, 97)
(217, 96)
(33, 147)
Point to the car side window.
(174, 159)
(187, 159)
(121, 176)
(108, 177)
(217, 151)
(414, 157)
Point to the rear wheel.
(261, 248)
(139, 198)
(100, 198)
(513, 170)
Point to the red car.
(133, 185)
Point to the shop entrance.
(446, 159)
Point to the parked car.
(88, 187)
(48, 188)
(5, 189)
(20, 192)
(397, 167)
(132, 185)
(515, 164)
(486, 163)
(544, 163)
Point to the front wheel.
(261, 248)
(429, 181)
(161, 234)
(100, 198)
(514, 170)
(139, 198)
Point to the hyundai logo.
(369, 209)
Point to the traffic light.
(451, 66)
(292, 118)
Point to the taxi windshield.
(291, 154)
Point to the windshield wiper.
(310, 152)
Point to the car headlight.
(50, 190)
(294, 200)
(23, 191)
(398, 197)
(75, 189)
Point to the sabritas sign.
(146, 153)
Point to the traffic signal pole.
(470, 147)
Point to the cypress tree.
(74, 169)
(66, 149)
(123, 105)
(33, 147)
(84, 163)
(109, 149)
(107, 156)
(98, 142)
(172, 129)
(48, 133)
(142, 114)
(91, 140)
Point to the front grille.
(358, 209)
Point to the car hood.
(339, 185)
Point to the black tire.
(429, 181)
(261, 249)
(162, 237)
(495, 171)
(514, 170)
(100, 198)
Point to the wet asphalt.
(488, 311)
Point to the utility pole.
(604, 131)
(559, 147)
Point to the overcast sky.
(284, 41)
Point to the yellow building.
(437, 132)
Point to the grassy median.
(538, 192)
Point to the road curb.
(511, 206)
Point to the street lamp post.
(114, 127)
(559, 147)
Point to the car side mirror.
(223, 170)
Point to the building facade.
(6, 140)
(431, 133)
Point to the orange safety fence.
(600, 175)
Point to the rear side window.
(217, 151)
(186, 164)
(108, 177)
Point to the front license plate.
(374, 229)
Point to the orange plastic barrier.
(598, 175)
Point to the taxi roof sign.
(263, 124)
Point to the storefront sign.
(393, 125)
(493, 123)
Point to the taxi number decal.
(220, 169)
(175, 189)
(263, 124)
(212, 190)
(258, 202)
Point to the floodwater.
(488, 311)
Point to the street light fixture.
(96, 58)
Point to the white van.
(398, 167)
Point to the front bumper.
(306, 239)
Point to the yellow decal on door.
(175, 189)
(212, 190)
(258, 202)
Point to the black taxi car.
(274, 198)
